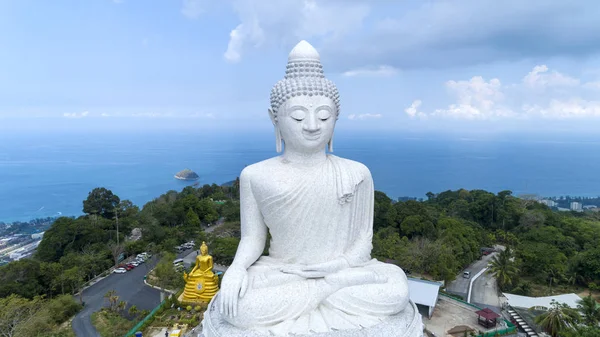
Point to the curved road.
(130, 287)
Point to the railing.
(148, 317)
(502, 332)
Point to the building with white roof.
(424, 293)
(542, 303)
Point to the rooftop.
(519, 301)
(423, 292)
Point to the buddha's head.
(204, 249)
(304, 104)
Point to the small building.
(487, 318)
(576, 206)
(548, 202)
(36, 236)
(424, 294)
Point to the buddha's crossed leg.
(377, 289)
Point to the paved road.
(130, 287)
(485, 292)
(460, 286)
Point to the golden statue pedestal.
(201, 284)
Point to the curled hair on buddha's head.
(303, 77)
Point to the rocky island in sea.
(187, 174)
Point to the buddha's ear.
(273, 116)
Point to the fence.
(149, 316)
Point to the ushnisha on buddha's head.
(204, 249)
(304, 104)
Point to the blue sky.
(466, 65)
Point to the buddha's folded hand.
(234, 286)
(317, 270)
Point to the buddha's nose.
(311, 124)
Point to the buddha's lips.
(311, 136)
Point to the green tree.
(583, 331)
(112, 300)
(133, 311)
(21, 278)
(192, 219)
(116, 250)
(102, 202)
(589, 310)
(503, 267)
(558, 319)
(17, 315)
(75, 279)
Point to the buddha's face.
(203, 250)
(306, 123)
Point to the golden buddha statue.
(201, 284)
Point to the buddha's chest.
(275, 184)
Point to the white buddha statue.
(319, 277)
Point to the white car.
(120, 271)
(139, 261)
(134, 263)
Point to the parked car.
(134, 263)
(124, 266)
(131, 266)
(120, 271)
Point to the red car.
(126, 266)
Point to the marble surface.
(405, 324)
(318, 277)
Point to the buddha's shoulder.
(260, 168)
(352, 165)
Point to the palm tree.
(133, 311)
(590, 310)
(559, 318)
(503, 267)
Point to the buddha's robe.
(322, 214)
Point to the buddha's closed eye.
(298, 115)
(324, 114)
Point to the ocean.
(50, 174)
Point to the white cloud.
(592, 85)
(572, 108)
(207, 115)
(476, 99)
(76, 115)
(364, 116)
(484, 100)
(539, 77)
(192, 9)
(151, 114)
(104, 114)
(413, 109)
(381, 71)
(289, 21)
